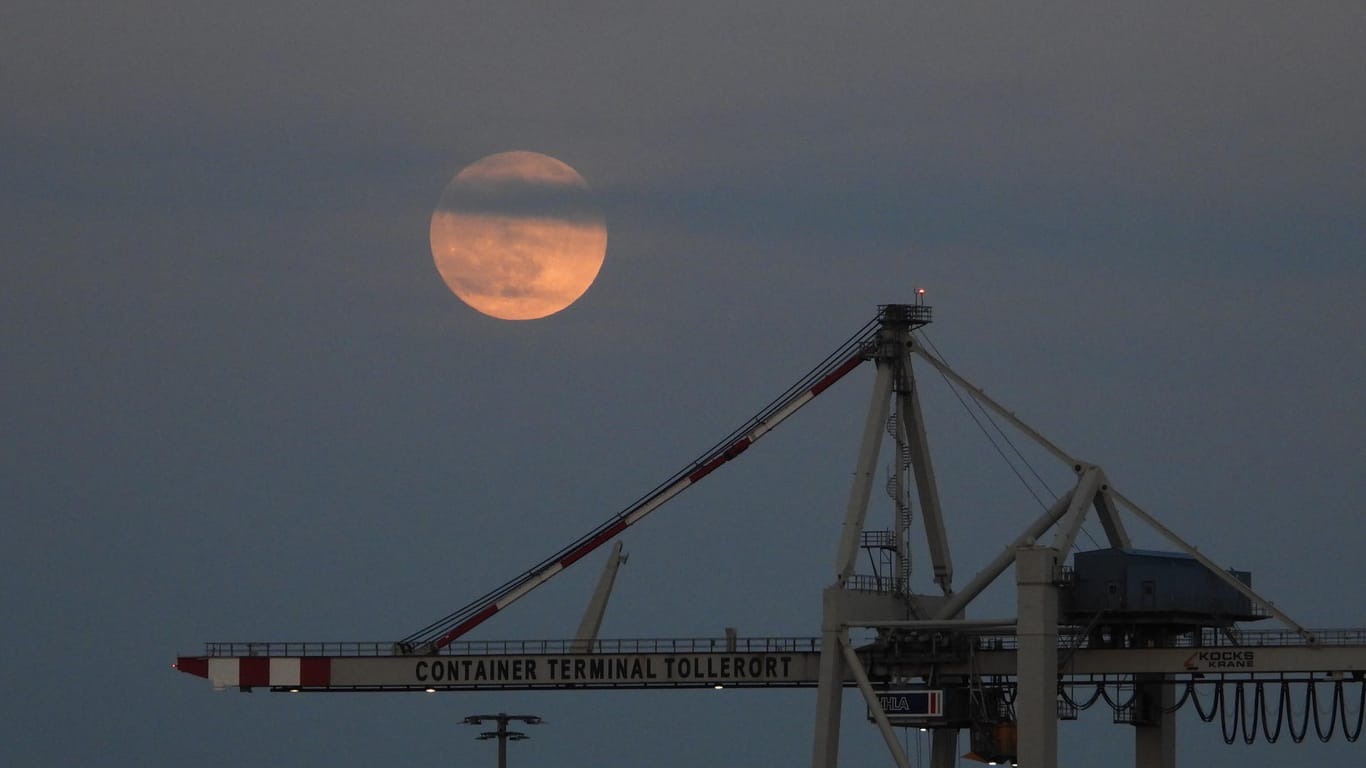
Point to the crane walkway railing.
(1208, 638)
(524, 647)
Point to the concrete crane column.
(1036, 703)
(1155, 734)
(944, 748)
(830, 691)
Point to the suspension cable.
(1004, 436)
(845, 358)
(958, 395)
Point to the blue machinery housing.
(1136, 586)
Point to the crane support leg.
(944, 748)
(597, 605)
(862, 487)
(1155, 735)
(1109, 518)
(1036, 702)
(996, 567)
(870, 696)
(1088, 485)
(825, 750)
(913, 422)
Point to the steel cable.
(1281, 699)
(1332, 712)
(1181, 702)
(1225, 721)
(1241, 718)
(859, 341)
(1257, 708)
(971, 414)
(1009, 463)
(1304, 721)
(1352, 736)
(1132, 696)
(1214, 705)
(1081, 707)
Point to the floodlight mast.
(502, 734)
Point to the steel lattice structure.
(1008, 681)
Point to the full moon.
(517, 236)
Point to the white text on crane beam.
(661, 668)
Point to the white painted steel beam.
(1110, 520)
(859, 491)
(831, 674)
(936, 536)
(1155, 738)
(1083, 498)
(597, 605)
(884, 726)
(1214, 568)
(1036, 697)
(521, 671)
(981, 396)
(959, 600)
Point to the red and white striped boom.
(846, 358)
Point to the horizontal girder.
(748, 663)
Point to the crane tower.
(1161, 625)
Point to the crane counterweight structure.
(1119, 618)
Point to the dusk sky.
(239, 402)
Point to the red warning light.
(920, 291)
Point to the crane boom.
(962, 674)
(757, 662)
(846, 358)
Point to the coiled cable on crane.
(1242, 719)
(1133, 697)
(1207, 717)
(1079, 706)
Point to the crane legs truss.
(1038, 569)
(1004, 678)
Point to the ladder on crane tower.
(924, 644)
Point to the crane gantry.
(1159, 625)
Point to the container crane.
(1157, 624)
